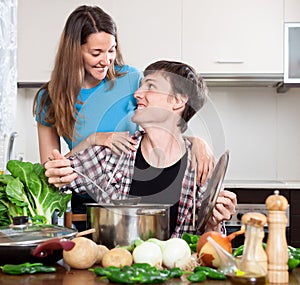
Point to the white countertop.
(261, 184)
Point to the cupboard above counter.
(145, 32)
(232, 37)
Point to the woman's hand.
(203, 158)
(118, 142)
(59, 170)
(223, 210)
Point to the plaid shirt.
(114, 175)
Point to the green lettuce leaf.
(26, 191)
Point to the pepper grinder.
(277, 250)
(260, 253)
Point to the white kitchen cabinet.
(291, 10)
(40, 24)
(233, 36)
(147, 30)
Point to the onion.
(205, 251)
(175, 252)
(148, 252)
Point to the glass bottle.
(248, 264)
(260, 253)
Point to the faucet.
(12, 137)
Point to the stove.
(235, 222)
(241, 209)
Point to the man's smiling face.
(154, 99)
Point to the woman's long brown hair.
(61, 92)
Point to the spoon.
(128, 200)
(94, 195)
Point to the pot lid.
(212, 191)
(28, 234)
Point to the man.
(159, 170)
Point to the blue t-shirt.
(105, 109)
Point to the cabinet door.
(149, 30)
(291, 10)
(40, 24)
(233, 36)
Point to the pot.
(34, 243)
(121, 225)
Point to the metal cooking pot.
(34, 243)
(123, 224)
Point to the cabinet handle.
(229, 61)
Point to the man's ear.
(179, 102)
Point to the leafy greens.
(26, 192)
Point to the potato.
(83, 255)
(118, 257)
(102, 249)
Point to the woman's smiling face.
(98, 54)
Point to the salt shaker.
(277, 250)
(260, 253)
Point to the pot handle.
(152, 212)
(46, 248)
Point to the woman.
(88, 56)
(89, 63)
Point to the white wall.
(257, 125)
(261, 131)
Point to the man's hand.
(223, 210)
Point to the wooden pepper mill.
(260, 253)
(277, 250)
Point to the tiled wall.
(260, 128)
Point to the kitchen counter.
(85, 277)
(261, 184)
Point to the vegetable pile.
(156, 261)
(144, 273)
(26, 192)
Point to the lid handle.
(46, 248)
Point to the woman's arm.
(118, 142)
(48, 140)
(202, 158)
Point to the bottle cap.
(254, 215)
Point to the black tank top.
(159, 185)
